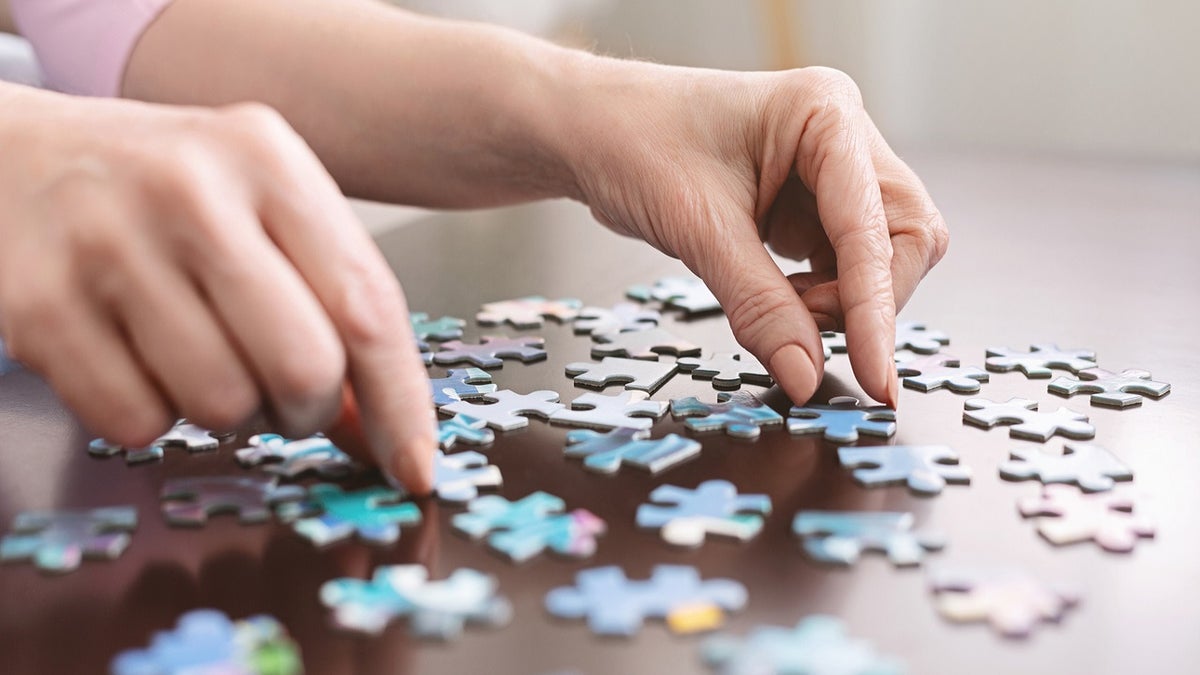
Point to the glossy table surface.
(1086, 255)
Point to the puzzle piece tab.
(924, 468)
(1025, 419)
(687, 293)
(1012, 601)
(528, 526)
(190, 501)
(727, 370)
(914, 336)
(441, 330)
(644, 344)
(840, 537)
(375, 514)
(624, 317)
(1087, 465)
(205, 641)
(646, 376)
(597, 411)
(1111, 389)
(463, 428)
(507, 410)
(491, 351)
(58, 541)
(714, 507)
(528, 312)
(739, 414)
(928, 373)
(435, 609)
(1037, 362)
(461, 384)
(817, 645)
(615, 605)
(292, 458)
(183, 434)
(1067, 516)
(842, 420)
(605, 453)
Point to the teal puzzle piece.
(528, 526)
(375, 514)
(740, 414)
(605, 453)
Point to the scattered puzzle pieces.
(626, 409)
(458, 477)
(842, 420)
(1025, 419)
(183, 434)
(615, 605)
(460, 384)
(528, 312)
(374, 513)
(605, 453)
(928, 373)
(687, 293)
(463, 428)
(727, 370)
(1087, 465)
(840, 537)
(190, 501)
(491, 351)
(714, 507)
(1067, 516)
(291, 458)
(624, 317)
(914, 336)
(817, 645)
(646, 376)
(645, 344)
(205, 641)
(435, 609)
(739, 414)
(441, 330)
(58, 541)
(924, 468)
(1012, 601)
(528, 526)
(507, 410)
(1111, 389)
(1037, 362)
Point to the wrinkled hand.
(161, 262)
(708, 166)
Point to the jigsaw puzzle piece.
(1013, 602)
(727, 370)
(1037, 362)
(292, 458)
(375, 514)
(924, 468)
(646, 376)
(840, 537)
(464, 428)
(832, 343)
(1087, 465)
(915, 336)
(605, 453)
(528, 312)
(528, 526)
(627, 409)
(739, 414)
(818, 644)
(461, 384)
(1026, 421)
(614, 605)
(1067, 516)
(507, 410)
(205, 641)
(58, 541)
(645, 344)
(440, 330)
(624, 317)
(714, 507)
(491, 351)
(458, 477)
(190, 501)
(183, 434)
(842, 420)
(1111, 389)
(686, 293)
(929, 373)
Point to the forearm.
(399, 107)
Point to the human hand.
(161, 262)
(709, 165)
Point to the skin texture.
(708, 166)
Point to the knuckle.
(834, 86)
(937, 237)
(310, 376)
(256, 125)
(368, 305)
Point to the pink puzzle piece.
(1069, 516)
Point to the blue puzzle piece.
(441, 330)
(740, 414)
(375, 514)
(458, 477)
(924, 468)
(840, 537)
(206, 641)
(713, 507)
(58, 541)
(464, 428)
(528, 526)
(842, 420)
(182, 434)
(816, 645)
(605, 453)
(460, 384)
(292, 458)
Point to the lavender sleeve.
(82, 46)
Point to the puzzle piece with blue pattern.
(530, 525)
(58, 541)
(330, 514)
(739, 414)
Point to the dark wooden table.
(1090, 255)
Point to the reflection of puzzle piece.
(713, 507)
(1027, 422)
(726, 370)
(460, 384)
(646, 376)
(842, 420)
(687, 293)
(914, 336)
(645, 344)
(1111, 389)
(436, 609)
(205, 641)
(1012, 601)
(507, 410)
(491, 351)
(463, 428)
(291, 458)
(458, 477)
(924, 468)
(1071, 517)
(624, 317)
(615, 605)
(605, 453)
(190, 501)
(927, 373)
(58, 541)
(374, 513)
(183, 434)
(1087, 465)
(1037, 362)
(626, 409)
(817, 645)
(739, 414)
(832, 343)
(445, 328)
(841, 536)
(528, 312)
(528, 526)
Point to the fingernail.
(795, 372)
(893, 388)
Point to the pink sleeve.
(82, 46)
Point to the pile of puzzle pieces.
(631, 348)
